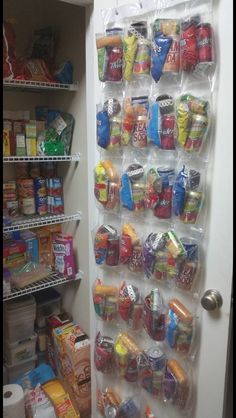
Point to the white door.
(212, 359)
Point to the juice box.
(31, 146)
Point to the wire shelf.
(37, 221)
(42, 158)
(50, 281)
(38, 85)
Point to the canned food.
(127, 409)
(41, 205)
(139, 137)
(204, 43)
(13, 208)
(191, 207)
(28, 206)
(195, 136)
(25, 188)
(40, 187)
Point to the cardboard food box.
(45, 246)
(77, 347)
(61, 360)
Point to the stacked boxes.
(72, 349)
(19, 338)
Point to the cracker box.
(77, 348)
(61, 359)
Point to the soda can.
(99, 303)
(138, 194)
(110, 411)
(195, 104)
(114, 56)
(204, 43)
(112, 195)
(172, 62)
(40, 187)
(132, 370)
(191, 207)
(195, 136)
(185, 278)
(110, 308)
(157, 381)
(100, 247)
(41, 205)
(188, 47)
(163, 208)
(102, 359)
(156, 358)
(113, 249)
(115, 133)
(122, 356)
(139, 137)
(184, 337)
(160, 266)
(135, 263)
(134, 321)
(142, 60)
(127, 409)
(125, 248)
(167, 132)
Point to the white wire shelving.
(41, 158)
(36, 221)
(38, 85)
(52, 280)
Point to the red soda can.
(124, 306)
(164, 207)
(132, 370)
(188, 47)
(114, 65)
(204, 42)
(125, 248)
(113, 250)
(167, 132)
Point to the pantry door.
(211, 367)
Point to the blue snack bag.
(153, 127)
(64, 74)
(103, 129)
(159, 53)
(179, 192)
(126, 192)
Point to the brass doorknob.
(211, 300)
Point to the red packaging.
(34, 69)
(132, 370)
(124, 305)
(204, 42)
(112, 257)
(167, 132)
(114, 66)
(164, 207)
(125, 248)
(188, 48)
(113, 196)
(13, 247)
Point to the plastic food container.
(20, 350)
(17, 370)
(48, 303)
(18, 329)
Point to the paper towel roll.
(13, 401)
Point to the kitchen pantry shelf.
(52, 280)
(37, 221)
(38, 85)
(41, 158)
